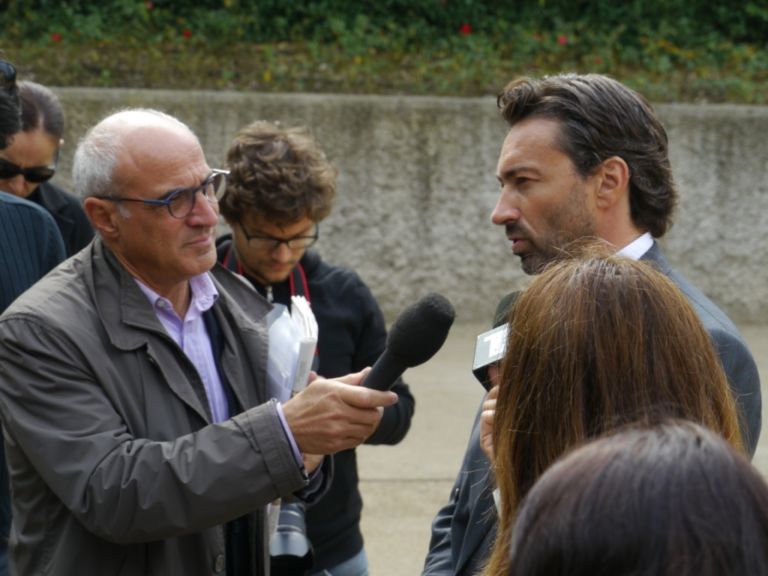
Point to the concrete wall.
(417, 186)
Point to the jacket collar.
(655, 256)
(130, 323)
(49, 196)
(127, 314)
(54, 200)
(120, 303)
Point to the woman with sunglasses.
(29, 162)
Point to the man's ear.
(103, 216)
(613, 182)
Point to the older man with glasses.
(133, 391)
(30, 245)
(280, 187)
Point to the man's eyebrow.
(512, 171)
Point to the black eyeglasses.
(271, 243)
(34, 174)
(8, 73)
(181, 202)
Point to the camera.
(290, 550)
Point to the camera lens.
(290, 549)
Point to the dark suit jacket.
(464, 530)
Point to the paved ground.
(404, 486)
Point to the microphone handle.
(384, 373)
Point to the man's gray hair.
(97, 153)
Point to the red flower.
(187, 33)
(56, 37)
(562, 39)
(149, 5)
(466, 29)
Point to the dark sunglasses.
(8, 75)
(34, 174)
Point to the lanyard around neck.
(297, 278)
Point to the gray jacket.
(464, 530)
(115, 465)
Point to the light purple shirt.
(192, 337)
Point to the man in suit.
(585, 156)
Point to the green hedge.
(672, 50)
(687, 23)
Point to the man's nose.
(205, 212)
(505, 211)
(282, 253)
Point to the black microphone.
(416, 335)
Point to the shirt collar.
(638, 247)
(204, 294)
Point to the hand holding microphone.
(333, 415)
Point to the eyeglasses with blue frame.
(181, 202)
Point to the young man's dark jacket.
(352, 335)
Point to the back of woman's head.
(596, 342)
(40, 109)
(673, 499)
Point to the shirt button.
(218, 564)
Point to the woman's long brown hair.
(597, 341)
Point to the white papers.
(302, 315)
(292, 343)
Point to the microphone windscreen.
(420, 330)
